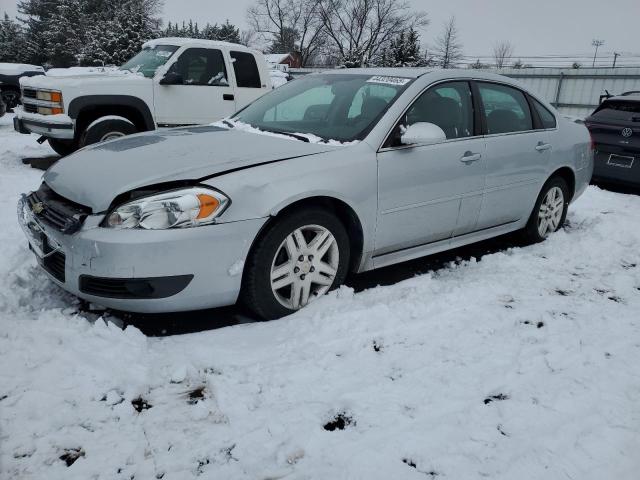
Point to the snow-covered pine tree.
(11, 40)
(229, 33)
(36, 17)
(63, 41)
(403, 51)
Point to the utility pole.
(597, 44)
(615, 58)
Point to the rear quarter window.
(546, 117)
(246, 70)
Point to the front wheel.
(299, 259)
(62, 147)
(107, 129)
(549, 212)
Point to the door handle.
(470, 157)
(541, 147)
(228, 96)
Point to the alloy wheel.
(550, 213)
(305, 266)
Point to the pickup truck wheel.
(63, 147)
(107, 129)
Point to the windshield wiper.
(228, 123)
(289, 134)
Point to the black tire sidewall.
(531, 230)
(62, 147)
(256, 289)
(95, 133)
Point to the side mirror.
(172, 78)
(423, 133)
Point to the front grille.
(29, 93)
(54, 263)
(56, 211)
(30, 108)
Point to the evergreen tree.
(63, 43)
(11, 40)
(229, 33)
(403, 51)
(37, 23)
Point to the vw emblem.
(38, 208)
(627, 132)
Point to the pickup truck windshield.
(342, 107)
(150, 59)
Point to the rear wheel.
(107, 129)
(62, 147)
(549, 212)
(299, 259)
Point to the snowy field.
(523, 365)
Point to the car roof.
(633, 96)
(196, 42)
(433, 73)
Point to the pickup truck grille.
(56, 211)
(29, 93)
(28, 107)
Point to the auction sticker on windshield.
(389, 80)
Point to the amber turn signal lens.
(56, 111)
(208, 205)
(56, 97)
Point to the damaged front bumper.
(144, 271)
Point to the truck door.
(200, 90)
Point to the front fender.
(87, 101)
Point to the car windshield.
(341, 107)
(150, 59)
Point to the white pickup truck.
(171, 82)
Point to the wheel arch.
(343, 211)
(91, 107)
(569, 176)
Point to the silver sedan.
(339, 172)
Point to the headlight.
(49, 96)
(186, 207)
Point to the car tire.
(279, 256)
(107, 129)
(63, 147)
(11, 98)
(550, 211)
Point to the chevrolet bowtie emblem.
(38, 208)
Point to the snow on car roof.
(193, 41)
(16, 68)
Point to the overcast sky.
(534, 27)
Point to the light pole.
(597, 44)
(615, 58)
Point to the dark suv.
(615, 130)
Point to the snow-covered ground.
(524, 365)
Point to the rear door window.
(246, 70)
(506, 109)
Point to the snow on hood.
(245, 127)
(97, 174)
(79, 76)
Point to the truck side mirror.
(172, 78)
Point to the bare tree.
(358, 30)
(448, 49)
(502, 53)
(289, 22)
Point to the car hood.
(97, 174)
